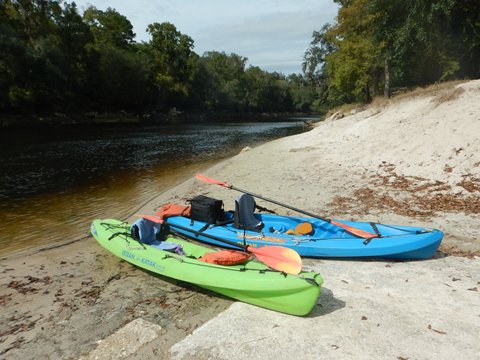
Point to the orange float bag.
(168, 210)
(225, 257)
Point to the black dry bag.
(206, 209)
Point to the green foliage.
(119, 70)
(395, 43)
(267, 92)
(173, 61)
(54, 59)
(303, 95)
(315, 90)
(228, 86)
(109, 27)
(224, 76)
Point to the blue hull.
(327, 240)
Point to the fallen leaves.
(410, 196)
(23, 286)
(470, 184)
(17, 328)
(113, 277)
(15, 345)
(5, 298)
(91, 295)
(454, 251)
(437, 331)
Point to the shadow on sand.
(326, 304)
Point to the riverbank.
(412, 161)
(122, 118)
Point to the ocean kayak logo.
(144, 262)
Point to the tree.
(174, 63)
(267, 92)
(315, 70)
(410, 42)
(465, 30)
(224, 86)
(76, 41)
(352, 64)
(123, 80)
(315, 58)
(109, 28)
(44, 54)
(415, 40)
(122, 69)
(53, 59)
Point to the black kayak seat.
(244, 216)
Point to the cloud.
(272, 34)
(275, 42)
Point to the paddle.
(277, 257)
(350, 229)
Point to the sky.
(272, 34)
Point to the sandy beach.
(412, 160)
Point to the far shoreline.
(21, 120)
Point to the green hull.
(252, 282)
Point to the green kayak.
(252, 282)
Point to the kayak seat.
(145, 231)
(244, 216)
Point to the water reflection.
(53, 184)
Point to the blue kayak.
(324, 240)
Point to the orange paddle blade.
(355, 231)
(279, 258)
(154, 218)
(206, 179)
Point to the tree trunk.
(386, 91)
(368, 96)
(376, 80)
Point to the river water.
(53, 183)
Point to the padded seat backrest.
(244, 214)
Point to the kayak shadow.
(326, 304)
(314, 260)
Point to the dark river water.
(53, 183)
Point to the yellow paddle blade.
(279, 258)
